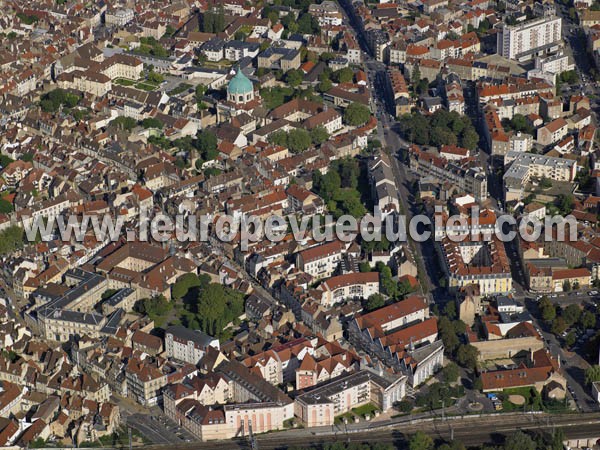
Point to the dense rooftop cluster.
(125, 111)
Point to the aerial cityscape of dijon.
(300, 224)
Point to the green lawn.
(125, 82)
(369, 408)
(218, 64)
(340, 419)
(533, 401)
(143, 85)
(146, 86)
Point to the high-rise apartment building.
(530, 39)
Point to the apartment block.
(530, 39)
(188, 345)
(322, 404)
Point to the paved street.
(573, 366)
(159, 429)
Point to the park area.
(144, 85)
(527, 398)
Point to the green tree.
(519, 122)
(451, 373)
(123, 123)
(184, 283)
(587, 320)
(569, 77)
(294, 77)
(324, 85)
(547, 309)
(404, 406)
(592, 374)
(415, 128)
(155, 77)
(356, 114)
(466, 356)
(318, 135)
(298, 140)
(219, 22)
(558, 325)
(206, 143)
(484, 26)
(422, 86)
(364, 267)
(469, 138)
(570, 339)
(571, 314)
(566, 286)
(327, 185)
(38, 443)
(375, 301)
(5, 206)
(442, 136)
(200, 92)
(170, 30)
(156, 308)
(307, 24)
(519, 441)
(558, 437)
(216, 307)
(276, 96)
(448, 335)
(349, 172)
(565, 203)
(208, 22)
(53, 100)
(545, 183)
(415, 77)
(421, 441)
(151, 122)
(278, 138)
(450, 310)
(344, 75)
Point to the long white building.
(188, 345)
(530, 39)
